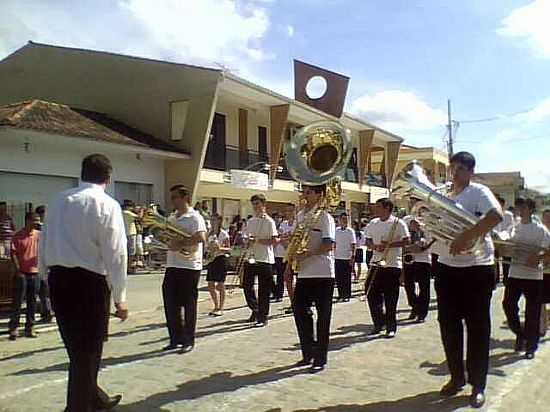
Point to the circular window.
(316, 87)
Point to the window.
(262, 142)
(140, 193)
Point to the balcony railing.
(231, 157)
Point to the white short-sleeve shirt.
(379, 231)
(479, 200)
(345, 241)
(262, 228)
(424, 256)
(191, 222)
(285, 229)
(533, 233)
(318, 266)
(220, 238)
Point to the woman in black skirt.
(218, 246)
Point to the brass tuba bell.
(318, 152)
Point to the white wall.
(62, 156)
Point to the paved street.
(235, 367)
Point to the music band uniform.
(315, 285)
(217, 269)
(285, 229)
(384, 291)
(526, 281)
(259, 228)
(464, 287)
(344, 258)
(180, 284)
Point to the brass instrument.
(213, 250)
(164, 232)
(444, 219)
(316, 155)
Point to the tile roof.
(60, 119)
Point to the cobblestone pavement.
(236, 367)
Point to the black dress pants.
(464, 294)
(179, 290)
(384, 291)
(418, 272)
(342, 269)
(279, 287)
(259, 306)
(78, 299)
(532, 290)
(26, 287)
(307, 292)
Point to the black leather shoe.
(302, 362)
(316, 368)
(375, 331)
(451, 388)
(108, 404)
(477, 399)
(529, 355)
(186, 348)
(172, 346)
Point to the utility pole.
(450, 127)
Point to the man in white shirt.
(504, 230)
(262, 236)
(315, 281)
(386, 235)
(417, 269)
(344, 257)
(84, 249)
(464, 284)
(526, 278)
(183, 270)
(285, 228)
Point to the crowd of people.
(89, 243)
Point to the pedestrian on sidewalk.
(218, 249)
(45, 307)
(84, 249)
(24, 253)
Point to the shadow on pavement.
(425, 402)
(216, 383)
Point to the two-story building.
(210, 122)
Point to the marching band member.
(344, 257)
(526, 280)
(179, 287)
(417, 269)
(285, 229)
(504, 229)
(262, 235)
(546, 279)
(384, 290)
(84, 248)
(218, 246)
(464, 284)
(315, 282)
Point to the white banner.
(246, 179)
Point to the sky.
(405, 58)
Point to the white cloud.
(290, 30)
(530, 23)
(188, 31)
(539, 113)
(398, 111)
